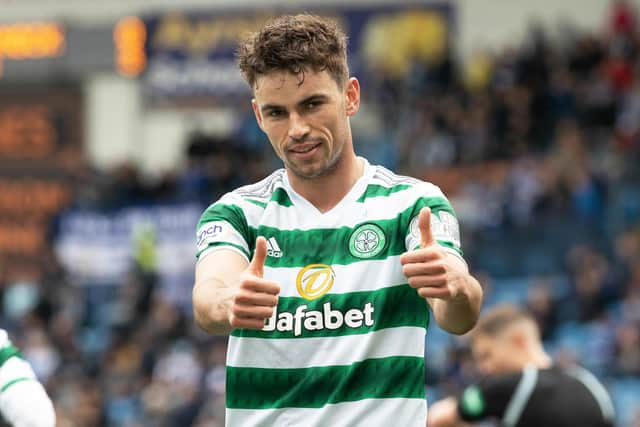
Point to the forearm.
(459, 314)
(212, 300)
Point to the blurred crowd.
(538, 147)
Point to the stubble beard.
(327, 168)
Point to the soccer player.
(522, 388)
(325, 273)
(23, 400)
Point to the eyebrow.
(314, 97)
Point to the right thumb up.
(256, 267)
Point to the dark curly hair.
(295, 43)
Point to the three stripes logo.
(273, 249)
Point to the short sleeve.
(488, 399)
(13, 367)
(444, 223)
(223, 225)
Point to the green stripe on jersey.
(12, 382)
(331, 245)
(390, 377)
(392, 307)
(375, 190)
(8, 352)
(281, 197)
(257, 203)
(232, 214)
(216, 244)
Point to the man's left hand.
(429, 268)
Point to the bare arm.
(444, 280)
(230, 293)
(216, 277)
(458, 313)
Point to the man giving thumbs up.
(441, 277)
(323, 328)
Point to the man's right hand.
(255, 298)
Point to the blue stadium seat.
(571, 336)
(512, 290)
(626, 397)
(437, 344)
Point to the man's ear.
(520, 338)
(256, 112)
(352, 95)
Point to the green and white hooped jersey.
(7, 349)
(345, 346)
(13, 369)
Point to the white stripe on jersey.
(326, 351)
(363, 413)
(372, 275)
(372, 209)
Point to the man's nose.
(298, 127)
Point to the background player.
(522, 387)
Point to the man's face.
(308, 123)
(496, 355)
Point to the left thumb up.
(424, 225)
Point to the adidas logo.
(272, 248)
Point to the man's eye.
(312, 105)
(275, 113)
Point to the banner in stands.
(192, 54)
(102, 247)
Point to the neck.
(325, 192)
(538, 358)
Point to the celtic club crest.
(367, 241)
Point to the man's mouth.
(304, 148)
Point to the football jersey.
(13, 367)
(23, 400)
(553, 397)
(7, 350)
(345, 346)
